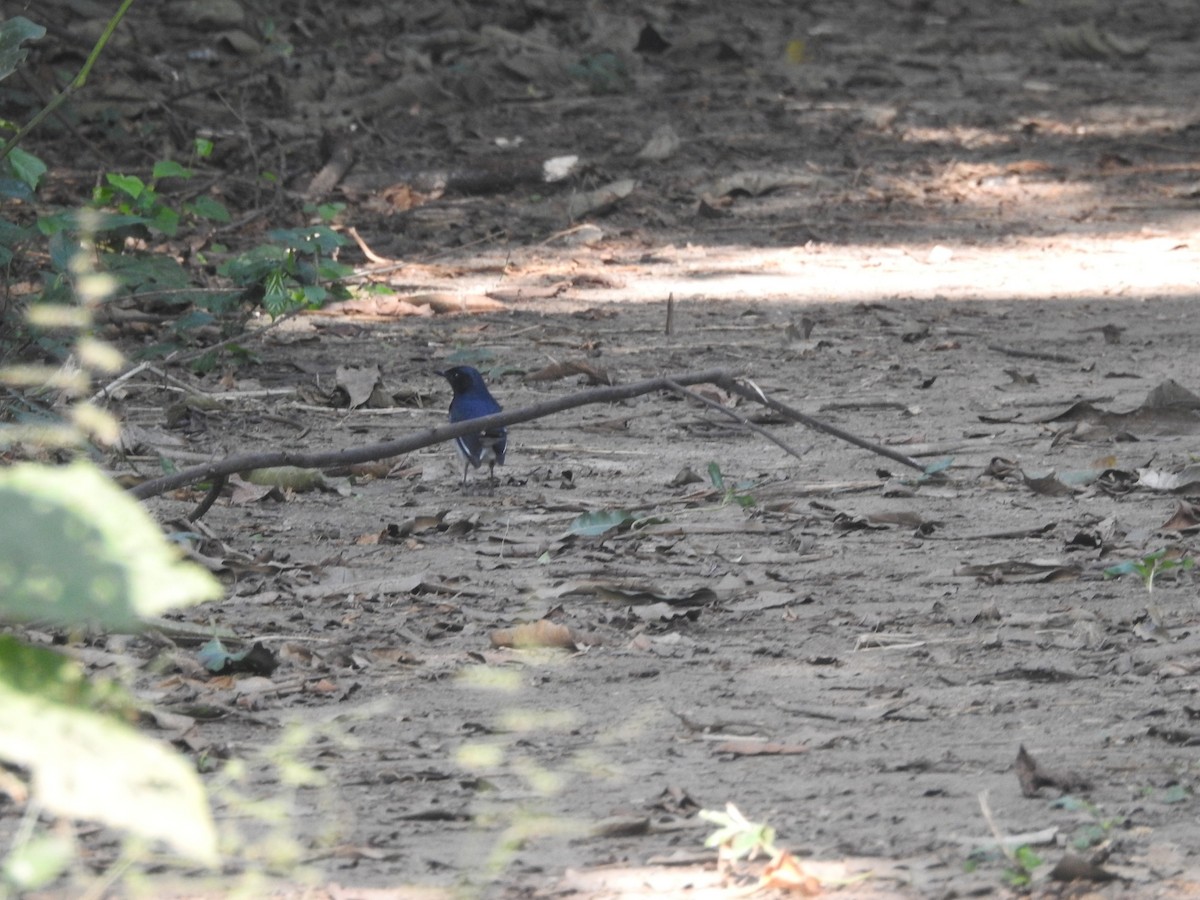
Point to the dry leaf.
(356, 384)
(383, 307)
(663, 144)
(1186, 518)
(600, 200)
(403, 197)
(1033, 777)
(786, 873)
(558, 370)
(1073, 867)
(542, 633)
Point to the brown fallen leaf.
(1186, 518)
(1049, 486)
(786, 873)
(555, 371)
(599, 200)
(542, 633)
(355, 384)
(243, 492)
(384, 307)
(1073, 867)
(402, 197)
(1033, 778)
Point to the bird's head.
(462, 379)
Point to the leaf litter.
(854, 621)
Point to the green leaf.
(1026, 858)
(939, 465)
(1129, 567)
(313, 296)
(37, 862)
(166, 220)
(27, 167)
(594, 524)
(1175, 794)
(168, 168)
(313, 239)
(12, 234)
(714, 475)
(15, 189)
(254, 265)
(63, 248)
(93, 221)
(217, 301)
(329, 270)
(14, 32)
(207, 208)
(129, 184)
(1089, 836)
(140, 274)
(330, 211)
(86, 765)
(76, 548)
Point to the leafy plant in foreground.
(296, 271)
(1149, 566)
(732, 493)
(1091, 833)
(738, 838)
(1022, 864)
(76, 552)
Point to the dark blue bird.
(472, 400)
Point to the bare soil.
(968, 225)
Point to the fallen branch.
(219, 469)
(356, 455)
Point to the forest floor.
(963, 231)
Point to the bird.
(471, 400)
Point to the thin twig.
(986, 809)
(757, 429)
(755, 393)
(120, 379)
(1033, 354)
(370, 254)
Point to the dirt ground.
(964, 231)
